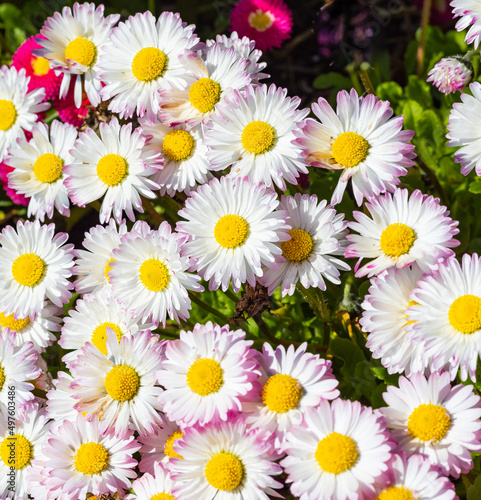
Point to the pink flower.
(68, 111)
(268, 22)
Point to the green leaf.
(348, 351)
(412, 112)
(474, 491)
(475, 187)
(390, 91)
(332, 80)
(419, 90)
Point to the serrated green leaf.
(390, 91)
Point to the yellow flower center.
(99, 335)
(178, 145)
(169, 444)
(149, 64)
(2, 377)
(258, 137)
(396, 493)
(428, 422)
(91, 458)
(465, 314)
(112, 169)
(204, 94)
(231, 231)
(298, 247)
(397, 239)
(82, 51)
(16, 451)
(40, 66)
(161, 496)
(260, 20)
(224, 471)
(8, 114)
(122, 383)
(281, 393)
(48, 168)
(336, 453)
(108, 268)
(15, 325)
(406, 315)
(349, 149)
(154, 275)
(205, 376)
(28, 269)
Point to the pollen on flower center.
(2, 377)
(224, 471)
(205, 376)
(231, 231)
(336, 453)
(48, 168)
(40, 66)
(260, 20)
(112, 169)
(149, 64)
(281, 393)
(122, 383)
(169, 444)
(406, 314)
(91, 458)
(299, 247)
(82, 51)
(99, 335)
(108, 268)
(8, 114)
(15, 325)
(204, 94)
(154, 275)
(396, 493)
(16, 451)
(162, 496)
(178, 145)
(349, 149)
(28, 269)
(465, 314)
(397, 239)
(429, 422)
(258, 137)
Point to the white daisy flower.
(93, 264)
(60, 401)
(447, 318)
(206, 374)
(224, 462)
(142, 58)
(465, 130)
(404, 229)
(440, 422)
(210, 77)
(157, 486)
(341, 451)
(253, 131)
(360, 139)
(37, 330)
(451, 74)
(73, 43)
(18, 107)
(120, 387)
(233, 229)
(38, 168)
(34, 265)
(184, 153)
(470, 13)
(317, 234)
(113, 165)
(386, 315)
(149, 275)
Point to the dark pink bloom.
(68, 111)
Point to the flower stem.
(422, 41)
(152, 212)
(194, 297)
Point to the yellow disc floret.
(99, 335)
(178, 145)
(349, 149)
(40, 66)
(224, 471)
(299, 247)
(397, 239)
(231, 231)
(204, 94)
(15, 325)
(258, 137)
(205, 376)
(8, 114)
(16, 451)
(108, 268)
(429, 422)
(149, 64)
(336, 453)
(28, 269)
(91, 458)
(48, 168)
(465, 314)
(260, 20)
(2, 377)
(112, 169)
(162, 496)
(82, 51)
(154, 275)
(406, 314)
(169, 444)
(122, 383)
(281, 393)
(396, 493)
